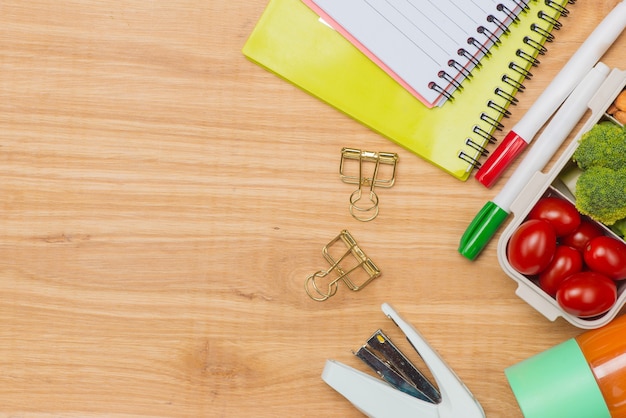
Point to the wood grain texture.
(162, 200)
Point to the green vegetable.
(569, 177)
(601, 194)
(619, 227)
(603, 145)
(600, 189)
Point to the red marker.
(587, 55)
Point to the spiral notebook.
(291, 41)
(428, 46)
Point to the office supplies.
(428, 47)
(290, 41)
(384, 358)
(561, 86)
(352, 261)
(378, 399)
(494, 213)
(367, 158)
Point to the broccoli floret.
(603, 145)
(601, 194)
(600, 189)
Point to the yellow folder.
(291, 41)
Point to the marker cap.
(557, 383)
(481, 230)
(500, 159)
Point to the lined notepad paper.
(428, 46)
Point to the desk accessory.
(384, 358)
(488, 220)
(428, 47)
(291, 41)
(353, 261)
(363, 179)
(379, 399)
(557, 91)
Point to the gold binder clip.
(352, 262)
(376, 162)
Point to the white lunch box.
(545, 184)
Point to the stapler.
(404, 392)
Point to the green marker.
(492, 215)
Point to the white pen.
(494, 212)
(587, 55)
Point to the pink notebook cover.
(330, 21)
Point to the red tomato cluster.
(569, 256)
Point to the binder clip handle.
(314, 290)
(367, 179)
(352, 262)
(360, 212)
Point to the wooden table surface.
(163, 199)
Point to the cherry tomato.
(585, 231)
(532, 246)
(606, 255)
(566, 261)
(561, 213)
(587, 294)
